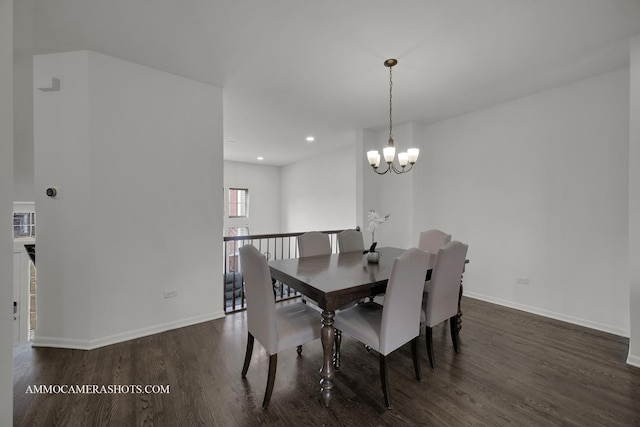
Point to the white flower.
(375, 220)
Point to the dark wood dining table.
(333, 281)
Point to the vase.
(373, 257)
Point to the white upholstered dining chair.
(314, 243)
(431, 241)
(386, 328)
(442, 301)
(350, 241)
(276, 329)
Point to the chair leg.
(384, 380)
(273, 363)
(453, 323)
(415, 352)
(336, 354)
(247, 356)
(429, 334)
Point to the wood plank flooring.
(513, 368)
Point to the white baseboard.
(55, 342)
(551, 314)
(633, 360)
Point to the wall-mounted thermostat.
(52, 192)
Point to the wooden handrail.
(275, 235)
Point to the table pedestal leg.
(459, 316)
(336, 353)
(327, 336)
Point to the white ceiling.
(292, 68)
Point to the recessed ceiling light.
(260, 158)
(310, 139)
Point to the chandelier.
(389, 152)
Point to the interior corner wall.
(263, 183)
(367, 140)
(634, 203)
(539, 187)
(362, 167)
(6, 212)
(136, 156)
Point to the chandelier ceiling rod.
(390, 63)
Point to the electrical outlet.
(170, 293)
(522, 280)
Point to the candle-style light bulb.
(413, 154)
(403, 159)
(372, 157)
(389, 154)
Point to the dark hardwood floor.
(513, 368)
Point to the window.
(24, 224)
(238, 203)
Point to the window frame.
(237, 203)
(30, 225)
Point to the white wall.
(23, 102)
(263, 183)
(136, 154)
(23, 140)
(62, 160)
(634, 203)
(538, 188)
(320, 193)
(6, 212)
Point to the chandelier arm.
(375, 169)
(396, 170)
(403, 169)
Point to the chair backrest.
(442, 302)
(403, 300)
(261, 305)
(432, 240)
(350, 241)
(314, 243)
